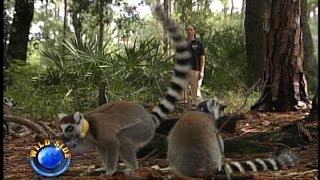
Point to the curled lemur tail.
(282, 161)
(178, 81)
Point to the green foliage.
(312, 73)
(32, 100)
(133, 63)
(225, 60)
(78, 73)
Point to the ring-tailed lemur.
(120, 128)
(195, 147)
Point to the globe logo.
(50, 159)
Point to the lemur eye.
(69, 129)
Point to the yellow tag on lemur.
(84, 128)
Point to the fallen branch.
(50, 131)
(303, 173)
(29, 123)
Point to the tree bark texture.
(256, 39)
(18, 41)
(283, 74)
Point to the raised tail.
(284, 160)
(178, 81)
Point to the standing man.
(196, 74)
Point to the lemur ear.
(77, 116)
(61, 115)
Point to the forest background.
(67, 55)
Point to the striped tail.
(178, 81)
(283, 161)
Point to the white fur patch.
(273, 163)
(159, 111)
(77, 116)
(252, 165)
(228, 168)
(61, 115)
(174, 93)
(180, 44)
(180, 81)
(260, 161)
(209, 107)
(183, 55)
(182, 68)
(238, 165)
(64, 126)
(167, 104)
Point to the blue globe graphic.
(50, 157)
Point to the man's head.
(191, 32)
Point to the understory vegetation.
(64, 75)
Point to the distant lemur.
(193, 146)
(120, 128)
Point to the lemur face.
(9, 102)
(212, 106)
(70, 126)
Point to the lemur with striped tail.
(120, 128)
(195, 147)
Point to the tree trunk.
(166, 8)
(6, 31)
(65, 21)
(231, 10)
(77, 24)
(242, 12)
(18, 41)
(102, 93)
(207, 5)
(285, 84)
(45, 33)
(256, 39)
(101, 24)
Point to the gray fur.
(195, 147)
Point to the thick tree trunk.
(18, 41)
(286, 86)
(256, 39)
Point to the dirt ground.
(16, 151)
